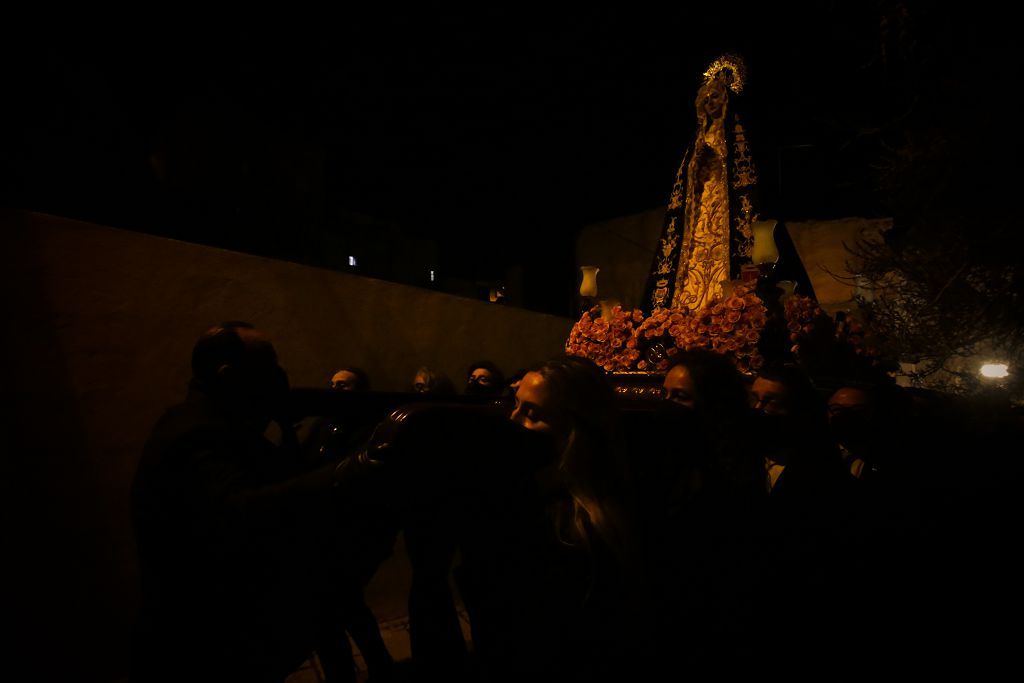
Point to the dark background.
(474, 144)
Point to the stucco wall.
(822, 246)
(623, 248)
(99, 326)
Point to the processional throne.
(712, 283)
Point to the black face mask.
(671, 408)
(477, 389)
(775, 435)
(850, 428)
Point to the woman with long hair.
(580, 556)
(571, 400)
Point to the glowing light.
(764, 250)
(352, 261)
(995, 370)
(588, 287)
(433, 276)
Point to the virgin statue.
(707, 236)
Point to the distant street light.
(995, 370)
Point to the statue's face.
(712, 98)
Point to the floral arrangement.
(655, 340)
(628, 341)
(853, 334)
(731, 326)
(609, 343)
(739, 325)
(804, 317)
(820, 340)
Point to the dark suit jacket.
(229, 543)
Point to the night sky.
(482, 140)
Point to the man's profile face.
(848, 400)
(771, 398)
(258, 378)
(343, 380)
(259, 360)
(679, 387)
(421, 383)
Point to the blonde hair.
(592, 463)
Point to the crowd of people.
(738, 525)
